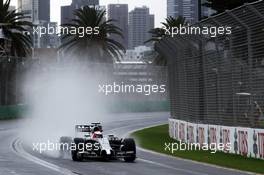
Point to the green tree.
(14, 43)
(160, 33)
(95, 47)
(222, 5)
(14, 26)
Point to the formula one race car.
(89, 142)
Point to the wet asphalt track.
(18, 159)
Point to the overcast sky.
(157, 7)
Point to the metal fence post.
(249, 51)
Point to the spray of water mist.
(58, 98)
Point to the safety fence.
(219, 80)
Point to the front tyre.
(129, 146)
(77, 157)
(130, 159)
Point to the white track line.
(156, 163)
(170, 167)
(17, 147)
(182, 159)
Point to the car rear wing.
(83, 128)
(88, 128)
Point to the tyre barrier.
(242, 141)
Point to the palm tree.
(95, 47)
(13, 28)
(160, 33)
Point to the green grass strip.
(155, 138)
(11, 112)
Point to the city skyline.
(157, 7)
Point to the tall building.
(185, 8)
(66, 14)
(39, 10)
(25, 6)
(48, 40)
(43, 7)
(140, 22)
(67, 11)
(119, 13)
(206, 11)
(151, 24)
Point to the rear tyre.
(74, 153)
(129, 145)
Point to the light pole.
(239, 95)
(199, 10)
(215, 70)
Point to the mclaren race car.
(89, 142)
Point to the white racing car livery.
(89, 142)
